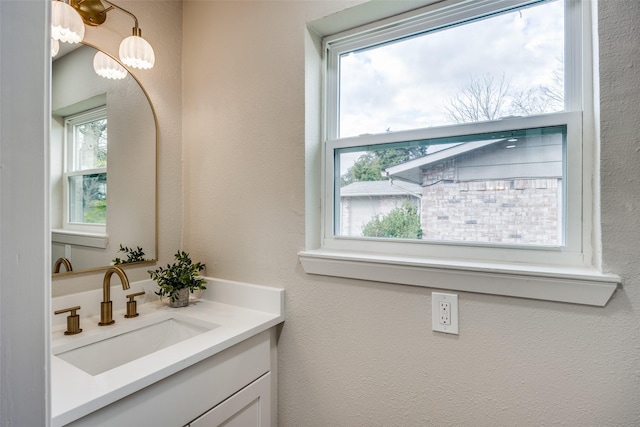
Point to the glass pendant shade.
(55, 47)
(136, 52)
(66, 24)
(106, 67)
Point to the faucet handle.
(73, 320)
(132, 305)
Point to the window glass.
(497, 188)
(453, 127)
(86, 183)
(501, 65)
(88, 198)
(89, 142)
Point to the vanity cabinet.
(249, 407)
(232, 387)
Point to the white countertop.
(240, 310)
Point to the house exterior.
(505, 190)
(361, 201)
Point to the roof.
(535, 156)
(410, 171)
(380, 188)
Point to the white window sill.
(572, 285)
(79, 238)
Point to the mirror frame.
(156, 124)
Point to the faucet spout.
(106, 306)
(59, 263)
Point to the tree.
(485, 98)
(370, 165)
(366, 168)
(94, 198)
(531, 102)
(402, 223)
(92, 137)
(542, 98)
(482, 98)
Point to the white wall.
(360, 353)
(24, 221)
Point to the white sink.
(117, 347)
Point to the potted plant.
(178, 279)
(133, 255)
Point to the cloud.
(405, 85)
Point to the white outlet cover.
(452, 299)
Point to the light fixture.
(134, 51)
(66, 24)
(105, 66)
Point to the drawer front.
(250, 407)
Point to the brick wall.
(518, 211)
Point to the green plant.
(182, 274)
(403, 223)
(133, 255)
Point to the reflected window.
(86, 171)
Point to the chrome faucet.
(106, 308)
(59, 263)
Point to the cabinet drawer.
(249, 407)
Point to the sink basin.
(109, 352)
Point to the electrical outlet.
(445, 313)
(444, 309)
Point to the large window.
(86, 171)
(468, 103)
(459, 136)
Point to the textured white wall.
(356, 353)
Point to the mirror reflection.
(103, 167)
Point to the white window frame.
(568, 274)
(569, 254)
(94, 114)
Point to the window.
(86, 171)
(456, 139)
(499, 188)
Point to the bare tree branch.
(531, 102)
(483, 98)
(543, 98)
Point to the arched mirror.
(103, 167)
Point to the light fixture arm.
(136, 30)
(94, 13)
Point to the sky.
(405, 85)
